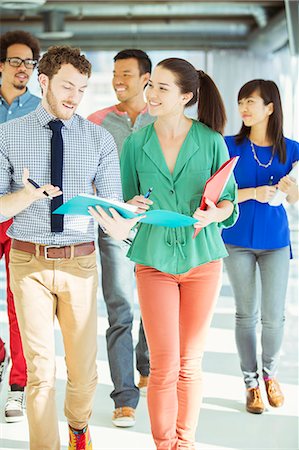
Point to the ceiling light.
(54, 26)
(54, 35)
(21, 4)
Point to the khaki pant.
(66, 288)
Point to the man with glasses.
(19, 54)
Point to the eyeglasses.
(16, 62)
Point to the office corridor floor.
(223, 424)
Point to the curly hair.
(18, 37)
(56, 56)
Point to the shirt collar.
(21, 99)
(144, 111)
(44, 117)
(124, 113)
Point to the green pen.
(270, 182)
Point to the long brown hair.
(269, 92)
(211, 109)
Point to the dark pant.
(117, 284)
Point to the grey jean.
(241, 267)
(117, 284)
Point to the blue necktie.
(56, 173)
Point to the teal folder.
(78, 206)
(164, 218)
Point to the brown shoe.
(143, 381)
(254, 402)
(275, 396)
(124, 417)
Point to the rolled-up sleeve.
(230, 191)
(5, 171)
(129, 177)
(107, 180)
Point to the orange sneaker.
(143, 382)
(275, 396)
(254, 402)
(79, 439)
(124, 417)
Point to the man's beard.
(56, 108)
(20, 87)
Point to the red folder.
(216, 184)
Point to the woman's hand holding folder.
(115, 225)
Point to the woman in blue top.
(261, 235)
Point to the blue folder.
(79, 206)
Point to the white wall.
(232, 69)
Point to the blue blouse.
(259, 226)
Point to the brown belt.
(54, 252)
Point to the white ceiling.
(262, 26)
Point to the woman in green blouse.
(178, 277)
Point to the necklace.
(257, 160)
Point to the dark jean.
(117, 284)
(241, 267)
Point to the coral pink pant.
(176, 312)
(18, 372)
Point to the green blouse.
(143, 165)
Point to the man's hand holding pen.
(142, 201)
(39, 192)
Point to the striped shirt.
(90, 157)
(21, 106)
(119, 124)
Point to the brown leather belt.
(54, 252)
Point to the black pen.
(270, 182)
(148, 192)
(37, 186)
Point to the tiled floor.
(223, 422)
